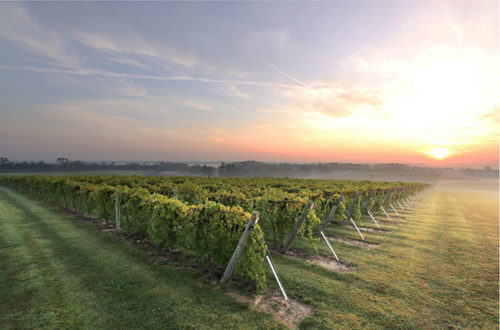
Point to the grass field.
(437, 268)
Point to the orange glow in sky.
(405, 82)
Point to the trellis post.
(241, 245)
(387, 215)
(407, 202)
(378, 194)
(332, 213)
(117, 211)
(348, 213)
(368, 211)
(395, 211)
(299, 223)
(325, 224)
(386, 196)
(368, 199)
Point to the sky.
(407, 82)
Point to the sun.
(439, 153)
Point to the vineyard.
(208, 215)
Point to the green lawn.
(59, 272)
(437, 268)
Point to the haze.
(406, 82)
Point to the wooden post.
(299, 223)
(397, 193)
(376, 199)
(369, 209)
(239, 248)
(348, 213)
(175, 192)
(402, 199)
(332, 213)
(349, 210)
(363, 206)
(117, 211)
(386, 197)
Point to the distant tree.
(62, 160)
(4, 160)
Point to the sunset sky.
(407, 82)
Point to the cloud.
(19, 26)
(193, 104)
(129, 61)
(127, 88)
(112, 74)
(231, 90)
(110, 111)
(234, 91)
(493, 117)
(335, 99)
(132, 43)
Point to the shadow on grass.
(129, 289)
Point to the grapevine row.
(207, 215)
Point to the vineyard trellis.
(209, 215)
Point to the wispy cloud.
(163, 52)
(127, 88)
(238, 79)
(493, 116)
(19, 26)
(231, 90)
(334, 99)
(129, 61)
(194, 105)
(105, 73)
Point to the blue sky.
(232, 81)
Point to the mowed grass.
(436, 268)
(60, 272)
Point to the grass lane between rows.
(436, 268)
